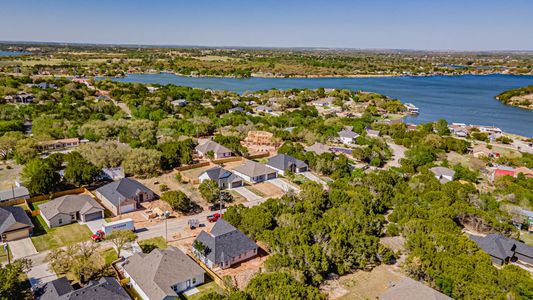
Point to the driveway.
(39, 275)
(22, 248)
(246, 193)
(284, 185)
(315, 178)
(95, 225)
(398, 152)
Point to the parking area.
(22, 248)
(284, 185)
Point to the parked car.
(217, 206)
(214, 217)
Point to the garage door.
(15, 235)
(127, 208)
(93, 216)
(272, 175)
(236, 184)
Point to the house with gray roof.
(70, 208)
(255, 172)
(284, 162)
(224, 246)
(347, 136)
(14, 193)
(409, 289)
(124, 195)
(103, 288)
(162, 274)
(372, 133)
(503, 250)
(224, 178)
(443, 174)
(14, 223)
(318, 148)
(218, 150)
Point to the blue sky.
(407, 24)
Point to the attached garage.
(236, 184)
(127, 208)
(14, 223)
(272, 176)
(16, 235)
(93, 216)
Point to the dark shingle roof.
(17, 191)
(124, 188)
(69, 204)
(501, 247)
(221, 175)
(157, 271)
(11, 215)
(284, 161)
(103, 288)
(212, 146)
(225, 241)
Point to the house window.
(60, 221)
(194, 280)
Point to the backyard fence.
(193, 166)
(227, 159)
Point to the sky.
(369, 24)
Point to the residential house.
(501, 171)
(224, 246)
(372, 133)
(124, 195)
(218, 150)
(103, 288)
(443, 174)
(14, 223)
(528, 173)
(162, 274)
(503, 250)
(324, 102)
(23, 97)
(14, 193)
(263, 109)
(179, 102)
(318, 148)
(70, 208)
(224, 178)
(481, 150)
(254, 172)
(235, 109)
(410, 289)
(283, 162)
(112, 173)
(58, 144)
(347, 136)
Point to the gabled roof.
(284, 161)
(442, 171)
(212, 146)
(12, 218)
(21, 191)
(409, 289)
(70, 204)
(124, 188)
(103, 288)
(501, 247)
(348, 134)
(157, 271)
(253, 169)
(224, 242)
(318, 148)
(220, 175)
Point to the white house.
(347, 136)
(255, 172)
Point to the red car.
(98, 236)
(214, 217)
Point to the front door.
(188, 283)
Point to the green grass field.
(150, 244)
(206, 288)
(45, 238)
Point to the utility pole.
(13, 191)
(6, 247)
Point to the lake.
(12, 53)
(464, 99)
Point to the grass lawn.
(206, 288)
(526, 237)
(150, 244)
(256, 191)
(3, 255)
(109, 255)
(45, 238)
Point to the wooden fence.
(259, 155)
(35, 212)
(193, 166)
(213, 275)
(227, 159)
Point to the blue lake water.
(12, 53)
(465, 99)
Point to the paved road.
(246, 193)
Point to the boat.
(411, 108)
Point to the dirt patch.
(243, 272)
(9, 172)
(362, 284)
(231, 165)
(266, 189)
(395, 243)
(195, 173)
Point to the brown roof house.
(71, 208)
(218, 150)
(162, 274)
(255, 172)
(124, 195)
(409, 289)
(224, 246)
(14, 223)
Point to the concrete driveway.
(315, 178)
(39, 275)
(246, 193)
(284, 185)
(95, 225)
(22, 248)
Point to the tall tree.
(120, 238)
(39, 177)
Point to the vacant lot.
(266, 189)
(361, 284)
(45, 238)
(195, 173)
(9, 172)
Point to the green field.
(206, 288)
(150, 244)
(45, 238)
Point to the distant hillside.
(521, 97)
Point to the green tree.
(210, 191)
(25, 150)
(441, 127)
(39, 177)
(11, 281)
(280, 286)
(143, 162)
(120, 238)
(178, 201)
(79, 171)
